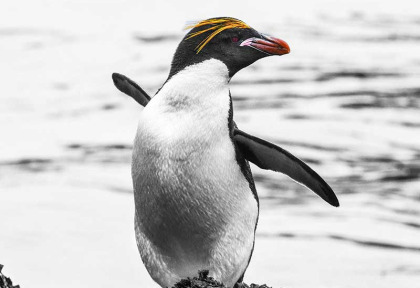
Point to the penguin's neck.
(202, 85)
(190, 112)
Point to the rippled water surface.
(346, 101)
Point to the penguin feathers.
(129, 87)
(271, 157)
(262, 153)
(217, 25)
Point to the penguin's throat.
(198, 84)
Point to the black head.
(227, 39)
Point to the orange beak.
(267, 44)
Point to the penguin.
(196, 204)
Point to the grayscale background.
(346, 100)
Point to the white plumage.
(194, 207)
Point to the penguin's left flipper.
(271, 157)
(131, 88)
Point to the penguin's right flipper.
(271, 157)
(131, 88)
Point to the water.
(346, 100)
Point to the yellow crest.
(218, 25)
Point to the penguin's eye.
(235, 39)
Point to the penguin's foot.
(241, 285)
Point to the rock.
(204, 281)
(5, 282)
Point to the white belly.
(194, 207)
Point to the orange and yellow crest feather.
(217, 25)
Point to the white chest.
(183, 145)
(189, 116)
(189, 190)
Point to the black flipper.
(271, 157)
(129, 87)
